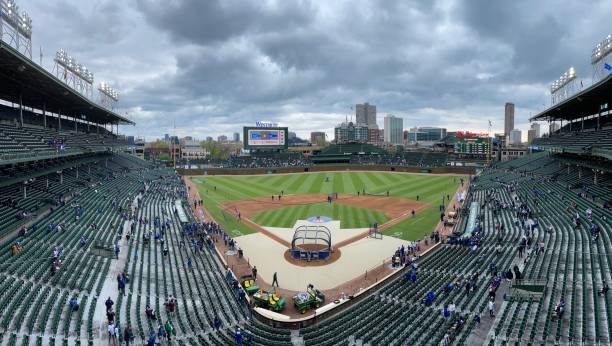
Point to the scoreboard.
(472, 145)
(266, 138)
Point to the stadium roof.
(39, 88)
(585, 103)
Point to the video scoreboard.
(265, 138)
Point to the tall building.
(350, 133)
(166, 137)
(515, 137)
(222, 138)
(209, 139)
(191, 149)
(394, 128)
(292, 135)
(374, 136)
(531, 135)
(365, 114)
(536, 127)
(508, 118)
(236, 137)
(426, 134)
(316, 137)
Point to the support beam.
(598, 116)
(25, 191)
(44, 115)
(61, 178)
(20, 110)
(75, 124)
(59, 121)
(47, 182)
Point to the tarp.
(471, 224)
(178, 206)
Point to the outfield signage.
(467, 134)
(265, 124)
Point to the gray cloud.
(211, 67)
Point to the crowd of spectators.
(259, 162)
(57, 144)
(412, 159)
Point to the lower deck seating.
(572, 262)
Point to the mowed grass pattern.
(431, 189)
(350, 217)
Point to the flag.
(65, 73)
(581, 85)
(490, 123)
(607, 67)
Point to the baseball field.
(239, 201)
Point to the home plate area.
(356, 257)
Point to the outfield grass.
(350, 217)
(430, 188)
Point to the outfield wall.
(459, 170)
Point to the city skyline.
(216, 66)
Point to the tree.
(321, 143)
(159, 145)
(216, 150)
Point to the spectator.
(74, 305)
(152, 339)
(169, 330)
(217, 323)
(128, 335)
(109, 304)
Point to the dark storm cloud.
(202, 22)
(212, 66)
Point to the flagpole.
(490, 145)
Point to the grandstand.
(70, 198)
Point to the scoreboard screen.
(265, 138)
(472, 145)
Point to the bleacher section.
(413, 159)
(572, 171)
(573, 264)
(342, 153)
(35, 301)
(577, 142)
(40, 143)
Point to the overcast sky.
(211, 67)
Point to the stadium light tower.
(66, 68)
(600, 58)
(15, 27)
(563, 87)
(109, 97)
